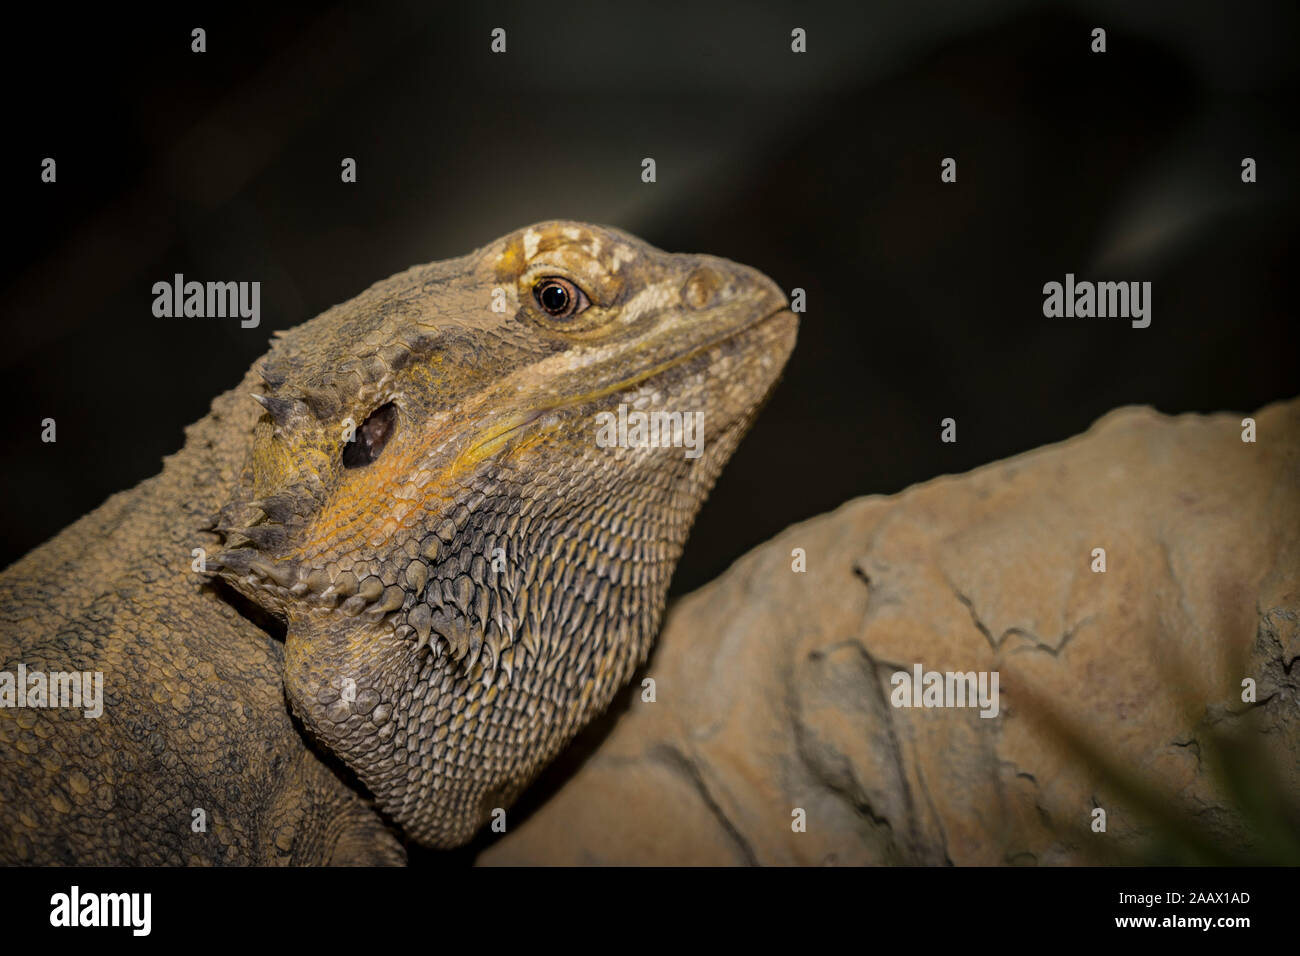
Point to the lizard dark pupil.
(555, 298)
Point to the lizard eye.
(371, 437)
(560, 298)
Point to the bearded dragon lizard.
(416, 495)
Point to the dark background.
(821, 169)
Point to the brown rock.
(774, 688)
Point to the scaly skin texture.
(460, 606)
(466, 575)
(193, 712)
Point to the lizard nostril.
(702, 287)
(371, 437)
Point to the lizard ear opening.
(371, 437)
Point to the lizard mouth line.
(499, 436)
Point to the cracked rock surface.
(773, 690)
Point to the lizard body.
(465, 574)
(193, 716)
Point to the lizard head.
(468, 492)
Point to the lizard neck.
(538, 598)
